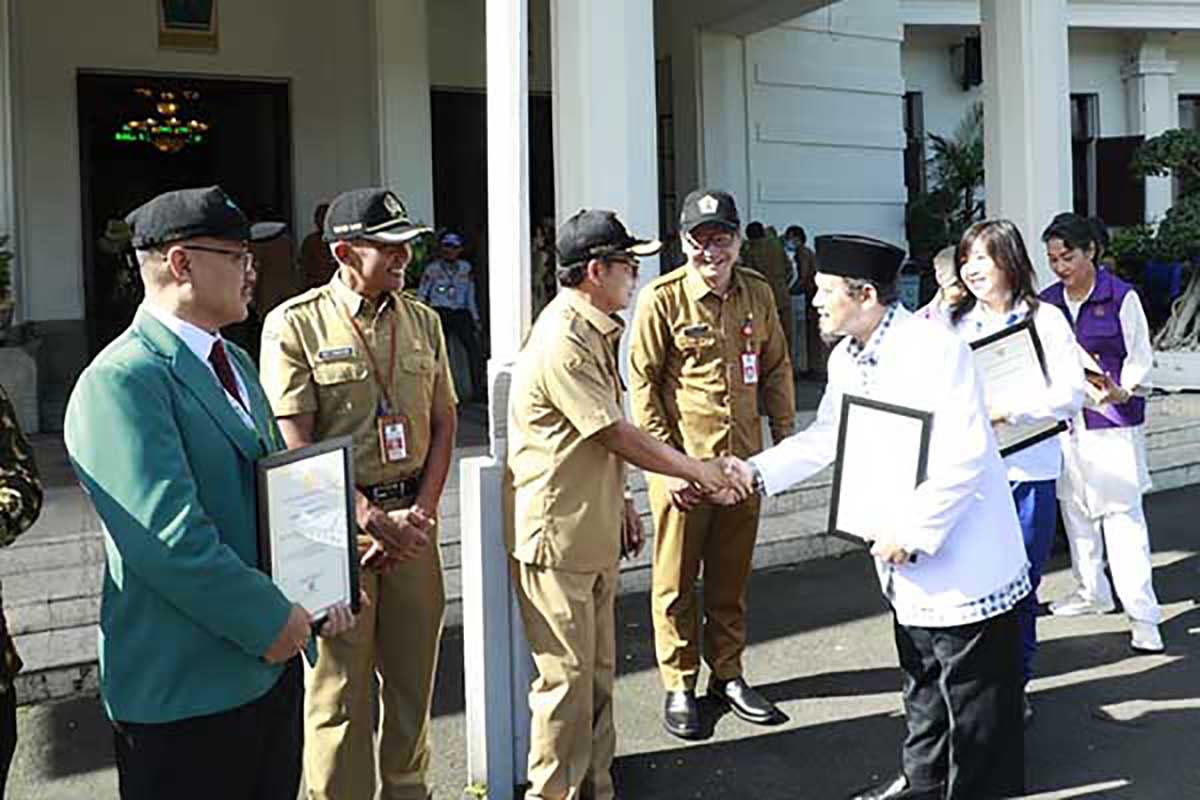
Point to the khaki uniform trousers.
(570, 626)
(398, 635)
(722, 539)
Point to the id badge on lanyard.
(393, 437)
(749, 356)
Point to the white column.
(1150, 106)
(722, 124)
(402, 102)
(496, 662)
(1026, 115)
(9, 219)
(606, 143)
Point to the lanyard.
(376, 372)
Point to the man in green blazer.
(198, 648)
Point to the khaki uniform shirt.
(685, 364)
(313, 362)
(568, 488)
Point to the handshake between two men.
(727, 481)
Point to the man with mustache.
(707, 347)
(358, 357)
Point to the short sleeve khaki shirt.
(568, 488)
(314, 361)
(687, 385)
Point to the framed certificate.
(882, 453)
(306, 527)
(1013, 366)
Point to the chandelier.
(164, 129)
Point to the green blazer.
(185, 614)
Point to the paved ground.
(1110, 724)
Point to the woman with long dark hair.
(994, 266)
(1104, 456)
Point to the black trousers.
(459, 322)
(8, 733)
(251, 752)
(962, 702)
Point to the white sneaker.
(1145, 638)
(1076, 605)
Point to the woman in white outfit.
(1104, 471)
(994, 266)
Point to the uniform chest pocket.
(339, 372)
(417, 363)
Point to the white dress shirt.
(1063, 395)
(961, 521)
(201, 342)
(1105, 469)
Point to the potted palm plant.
(7, 303)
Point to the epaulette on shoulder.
(302, 299)
(670, 279)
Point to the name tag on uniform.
(749, 368)
(696, 331)
(335, 353)
(393, 438)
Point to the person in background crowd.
(951, 566)
(766, 255)
(20, 504)
(994, 267)
(708, 330)
(316, 264)
(1104, 455)
(448, 285)
(950, 290)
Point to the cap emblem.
(393, 205)
(708, 204)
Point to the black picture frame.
(850, 402)
(266, 545)
(1025, 327)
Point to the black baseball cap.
(705, 206)
(374, 214)
(596, 234)
(188, 213)
(858, 257)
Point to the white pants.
(1127, 539)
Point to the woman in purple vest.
(994, 266)
(1104, 471)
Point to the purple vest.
(1098, 330)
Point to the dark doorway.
(246, 149)
(460, 172)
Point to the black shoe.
(681, 715)
(897, 788)
(746, 702)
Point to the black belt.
(392, 490)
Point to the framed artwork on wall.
(187, 24)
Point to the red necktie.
(220, 363)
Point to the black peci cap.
(858, 257)
(595, 234)
(376, 215)
(188, 213)
(705, 206)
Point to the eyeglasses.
(718, 241)
(244, 257)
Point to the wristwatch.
(759, 485)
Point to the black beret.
(187, 213)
